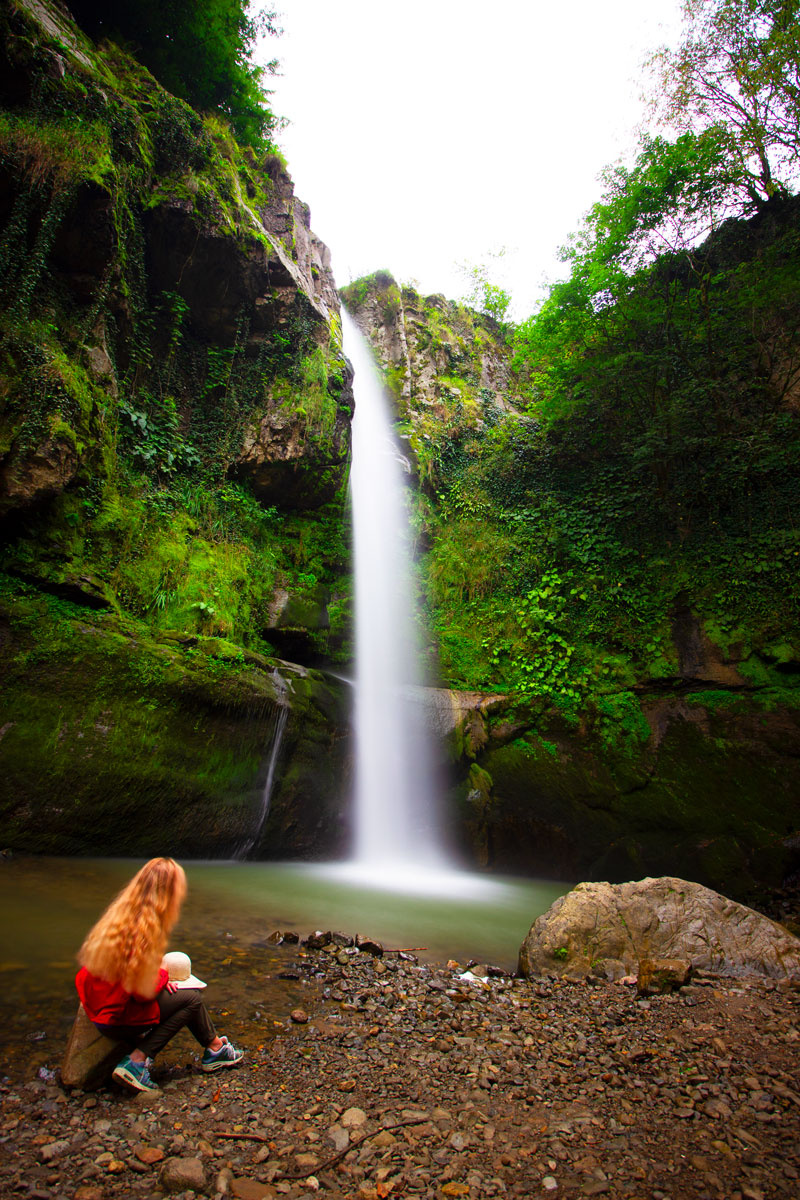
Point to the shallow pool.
(48, 904)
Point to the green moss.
(621, 722)
(58, 153)
(715, 700)
(116, 743)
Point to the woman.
(126, 991)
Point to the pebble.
(149, 1154)
(250, 1189)
(182, 1174)
(353, 1117)
(339, 1137)
(53, 1150)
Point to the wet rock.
(318, 940)
(182, 1174)
(299, 1016)
(342, 939)
(369, 945)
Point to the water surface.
(48, 904)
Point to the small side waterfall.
(397, 825)
(278, 730)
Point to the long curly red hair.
(128, 942)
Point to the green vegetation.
(198, 51)
(642, 463)
(735, 74)
(483, 295)
(121, 741)
(114, 374)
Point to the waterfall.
(396, 820)
(281, 717)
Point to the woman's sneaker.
(226, 1056)
(134, 1075)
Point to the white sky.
(427, 133)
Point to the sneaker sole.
(219, 1066)
(128, 1079)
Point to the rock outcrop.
(444, 364)
(154, 746)
(556, 799)
(176, 411)
(610, 930)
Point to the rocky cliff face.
(443, 363)
(174, 439)
(681, 761)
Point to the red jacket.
(109, 1003)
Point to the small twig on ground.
(245, 1137)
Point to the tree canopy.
(737, 71)
(200, 50)
(673, 347)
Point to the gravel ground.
(386, 1077)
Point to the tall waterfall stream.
(397, 831)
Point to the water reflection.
(48, 904)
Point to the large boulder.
(613, 928)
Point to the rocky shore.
(383, 1076)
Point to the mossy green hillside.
(627, 590)
(450, 377)
(603, 528)
(174, 435)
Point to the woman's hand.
(170, 987)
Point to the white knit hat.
(179, 966)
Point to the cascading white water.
(397, 829)
(281, 718)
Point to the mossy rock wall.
(175, 412)
(711, 792)
(114, 743)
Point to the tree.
(737, 71)
(674, 355)
(200, 50)
(673, 196)
(482, 294)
